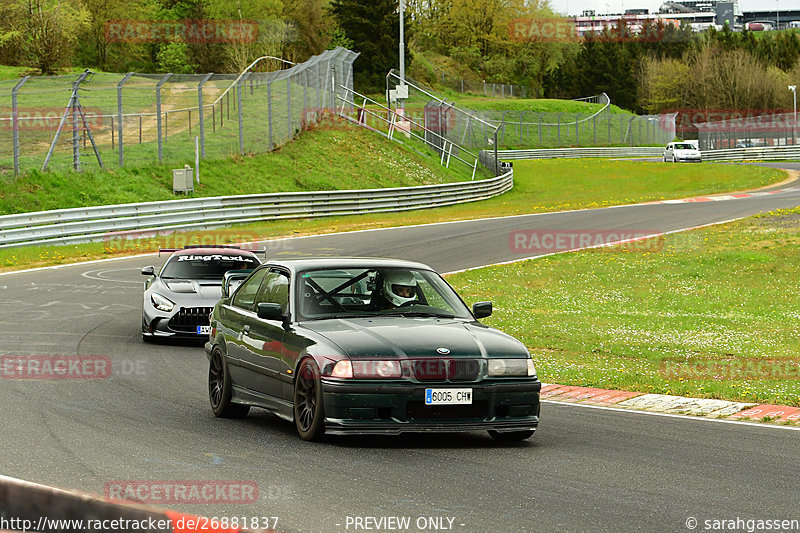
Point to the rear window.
(206, 266)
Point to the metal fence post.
(320, 87)
(76, 146)
(332, 101)
(269, 112)
(559, 128)
(158, 117)
(621, 129)
(305, 97)
(541, 115)
(119, 119)
(289, 106)
(594, 128)
(577, 134)
(239, 111)
(496, 160)
(201, 111)
(15, 122)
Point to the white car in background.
(684, 151)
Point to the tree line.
(656, 69)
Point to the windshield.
(366, 292)
(684, 146)
(211, 266)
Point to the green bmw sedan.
(365, 346)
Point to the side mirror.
(232, 279)
(149, 271)
(482, 309)
(270, 311)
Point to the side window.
(245, 296)
(275, 289)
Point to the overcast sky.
(575, 7)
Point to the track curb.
(669, 404)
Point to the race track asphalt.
(586, 469)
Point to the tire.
(219, 389)
(309, 411)
(510, 436)
(673, 159)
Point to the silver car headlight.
(511, 367)
(161, 303)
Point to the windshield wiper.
(413, 314)
(341, 315)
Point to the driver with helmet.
(399, 287)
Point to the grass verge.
(710, 313)
(540, 186)
(327, 157)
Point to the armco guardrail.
(760, 152)
(567, 153)
(72, 226)
(732, 154)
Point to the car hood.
(191, 289)
(416, 337)
(686, 152)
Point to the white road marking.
(669, 415)
(98, 275)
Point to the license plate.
(448, 396)
(203, 330)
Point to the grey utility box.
(182, 180)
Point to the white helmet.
(399, 287)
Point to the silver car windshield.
(365, 292)
(683, 147)
(205, 266)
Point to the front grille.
(430, 369)
(420, 411)
(188, 318)
(464, 369)
(446, 369)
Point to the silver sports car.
(179, 298)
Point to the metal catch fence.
(495, 90)
(761, 131)
(510, 129)
(94, 119)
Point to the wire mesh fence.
(511, 129)
(739, 131)
(422, 137)
(89, 120)
(495, 90)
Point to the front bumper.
(181, 323)
(398, 407)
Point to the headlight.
(367, 369)
(161, 303)
(377, 369)
(343, 369)
(511, 367)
